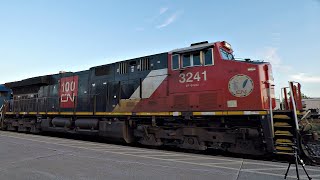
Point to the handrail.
(2, 113)
(307, 114)
(294, 105)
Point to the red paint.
(68, 91)
(299, 99)
(206, 88)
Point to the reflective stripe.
(176, 113)
(153, 114)
(113, 113)
(235, 112)
(65, 113)
(211, 113)
(255, 112)
(84, 113)
(230, 113)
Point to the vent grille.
(123, 68)
(144, 64)
(181, 101)
(208, 100)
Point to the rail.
(294, 92)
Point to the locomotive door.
(114, 94)
(101, 98)
(103, 95)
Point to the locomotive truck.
(199, 97)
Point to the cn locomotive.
(199, 97)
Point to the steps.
(283, 133)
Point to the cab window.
(199, 58)
(196, 59)
(191, 60)
(208, 57)
(186, 61)
(175, 61)
(225, 55)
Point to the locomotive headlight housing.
(227, 45)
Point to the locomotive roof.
(192, 48)
(131, 59)
(30, 81)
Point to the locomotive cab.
(206, 76)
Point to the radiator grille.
(208, 100)
(181, 101)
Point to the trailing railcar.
(197, 97)
(5, 94)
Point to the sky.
(39, 37)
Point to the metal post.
(294, 106)
(300, 98)
(1, 115)
(286, 99)
(281, 100)
(270, 108)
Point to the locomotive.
(199, 97)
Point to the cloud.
(306, 78)
(271, 55)
(163, 10)
(169, 20)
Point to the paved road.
(26, 156)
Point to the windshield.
(226, 55)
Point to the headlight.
(227, 45)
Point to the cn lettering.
(67, 98)
(68, 91)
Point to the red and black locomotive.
(197, 97)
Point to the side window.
(102, 70)
(175, 61)
(196, 59)
(225, 55)
(208, 57)
(186, 61)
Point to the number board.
(68, 91)
(192, 79)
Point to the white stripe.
(250, 112)
(151, 83)
(208, 113)
(175, 113)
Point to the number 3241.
(190, 77)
